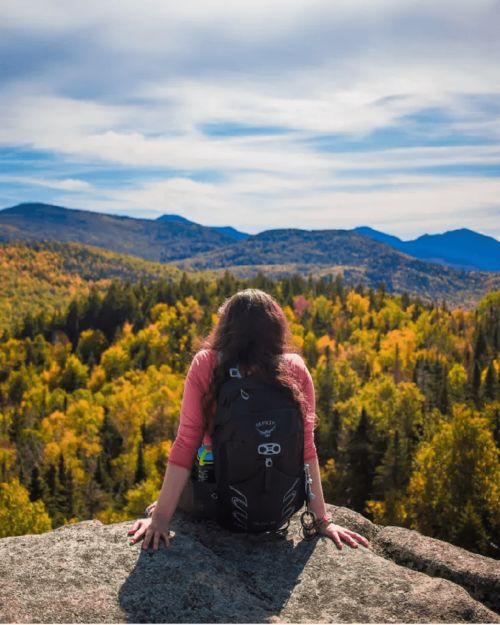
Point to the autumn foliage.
(407, 398)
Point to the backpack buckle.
(234, 372)
(269, 449)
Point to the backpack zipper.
(267, 475)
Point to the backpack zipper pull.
(267, 475)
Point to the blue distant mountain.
(462, 248)
(377, 235)
(178, 218)
(228, 230)
(232, 232)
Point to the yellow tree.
(115, 361)
(19, 515)
(457, 382)
(454, 492)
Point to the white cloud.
(413, 204)
(114, 83)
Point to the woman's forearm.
(174, 482)
(317, 504)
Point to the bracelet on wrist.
(323, 521)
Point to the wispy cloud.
(285, 114)
(67, 184)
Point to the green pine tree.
(489, 387)
(361, 470)
(36, 487)
(469, 532)
(140, 472)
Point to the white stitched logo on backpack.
(288, 499)
(240, 511)
(265, 428)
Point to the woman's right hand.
(338, 533)
(152, 530)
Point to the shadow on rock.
(209, 573)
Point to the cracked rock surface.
(88, 572)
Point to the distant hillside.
(463, 248)
(357, 257)
(229, 230)
(174, 239)
(156, 240)
(46, 275)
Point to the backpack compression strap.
(308, 518)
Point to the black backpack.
(258, 451)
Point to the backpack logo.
(265, 428)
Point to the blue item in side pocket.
(205, 464)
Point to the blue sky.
(306, 114)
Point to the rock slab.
(89, 573)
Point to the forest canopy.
(407, 398)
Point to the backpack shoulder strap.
(234, 372)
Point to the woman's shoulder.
(294, 357)
(295, 361)
(299, 368)
(201, 366)
(205, 357)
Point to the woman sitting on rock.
(252, 332)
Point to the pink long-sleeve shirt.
(190, 433)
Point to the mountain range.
(458, 266)
(462, 248)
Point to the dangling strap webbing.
(308, 518)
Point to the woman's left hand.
(338, 533)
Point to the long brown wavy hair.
(252, 331)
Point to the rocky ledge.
(88, 572)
